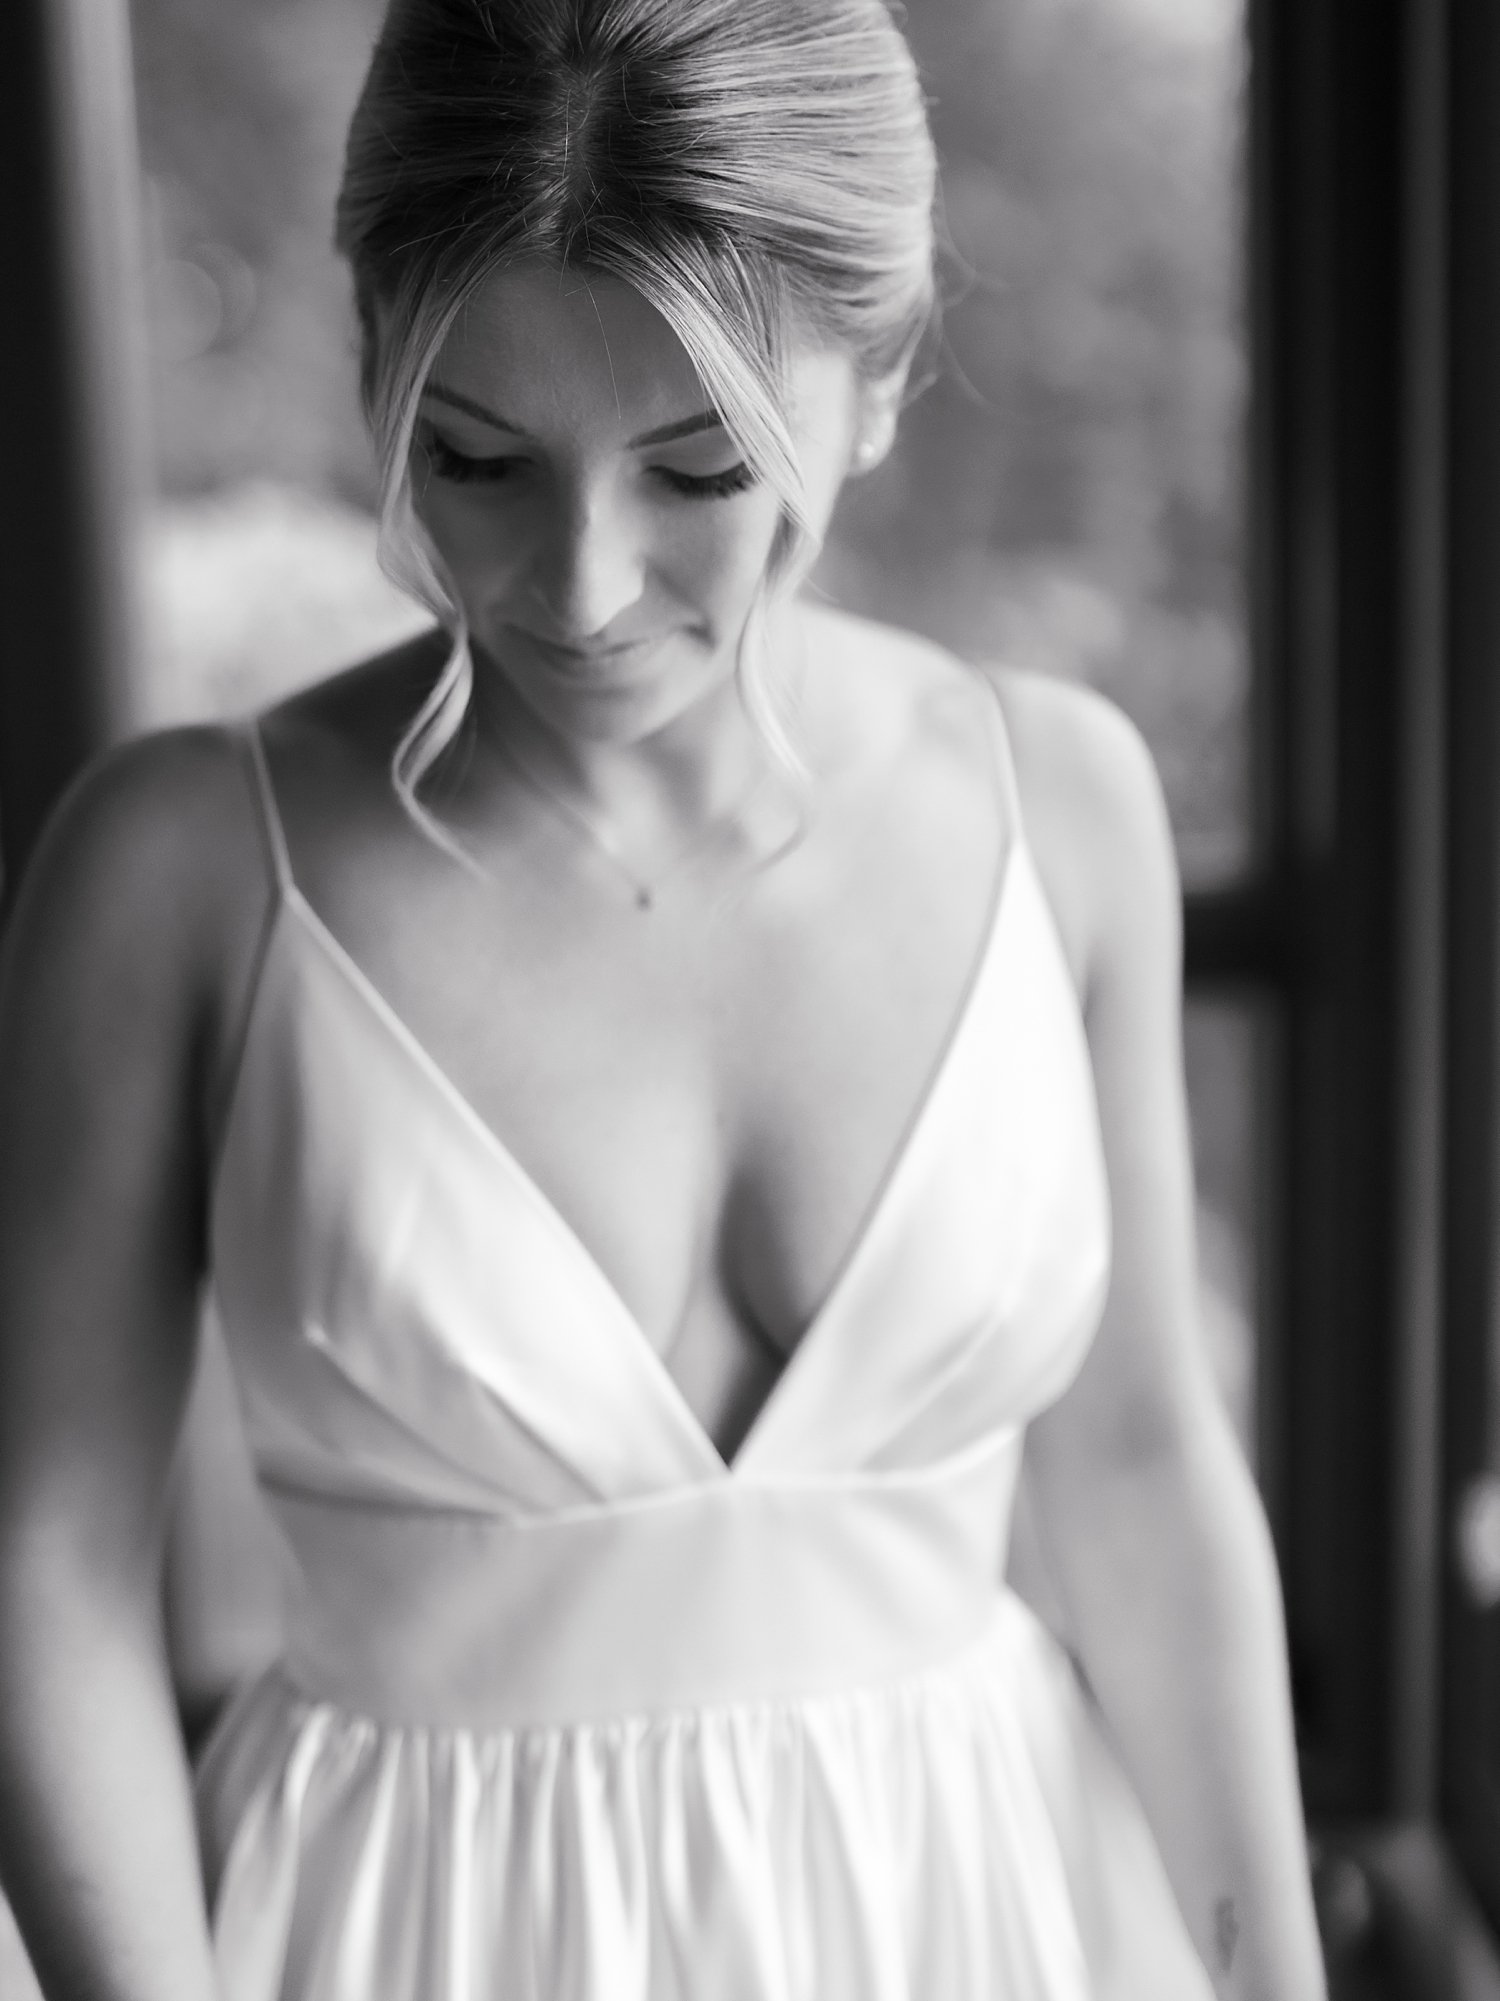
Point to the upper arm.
(1099, 826)
(128, 935)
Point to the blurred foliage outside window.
(1068, 493)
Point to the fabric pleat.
(888, 1844)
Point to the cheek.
(467, 534)
(718, 550)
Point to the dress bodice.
(421, 1340)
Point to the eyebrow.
(664, 434)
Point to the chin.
(618, 703)
(619, 714)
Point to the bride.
(669, 1086)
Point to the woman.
(650, 1070)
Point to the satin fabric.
(573, 1710)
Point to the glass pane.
(1226, 1050)
(1066, 492)
(261, 565)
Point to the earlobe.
(875, 431)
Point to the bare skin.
(709, 1091)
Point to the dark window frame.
(1369, 927)
(1314, 928)
(73, 423)
(1470, 1734)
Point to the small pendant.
(645, 898)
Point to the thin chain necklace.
(644, 889)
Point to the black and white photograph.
(749, 1000)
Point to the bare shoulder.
(147, 833)
(870, 647)
(1091, 800)
(147, 889)
(893, 690)
(365, 708)
(1096, 821)
(329, 749)
(164, 831)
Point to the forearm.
(97, 1842)
(1177, 1611)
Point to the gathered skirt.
(963, 1834)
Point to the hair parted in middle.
(759, 171)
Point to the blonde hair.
(760, 171)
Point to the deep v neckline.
(292, 903)
(312, 925)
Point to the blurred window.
(261, 568)
(1066, 492)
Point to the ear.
(877, 408)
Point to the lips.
(586, 662)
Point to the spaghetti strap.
(246, 734)
(1005, 764)
(265, 798)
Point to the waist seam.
(909, 1682)
(814, 1485)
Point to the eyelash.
(459, 468)
(712, 485)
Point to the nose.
(589, 568)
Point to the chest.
(408, 1307)
(711, 1094)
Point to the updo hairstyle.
(760, 171)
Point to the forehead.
(567, 353)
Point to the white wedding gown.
(573, 1710)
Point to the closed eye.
(458, 467)
(711, 485)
